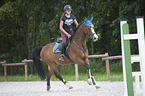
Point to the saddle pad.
(56, 48)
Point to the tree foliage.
(26, 24)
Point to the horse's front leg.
(91, 78)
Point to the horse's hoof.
(70, 87)
(48, 88)
(89, 82)
(97, 87)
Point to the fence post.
(76, 72)
(26, 74)
(107, 69)
(5, 71)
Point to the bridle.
(89, 34)
(84, 49)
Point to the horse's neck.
(80, 37)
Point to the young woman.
(66, 27)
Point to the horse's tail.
(37, 63)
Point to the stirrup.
(61, 58)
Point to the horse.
(78, 54)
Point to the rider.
(66, 27)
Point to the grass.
(82, 77)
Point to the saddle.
(58, 46)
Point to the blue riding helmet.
(88, 22)
(67, 7)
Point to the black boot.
(61, 58)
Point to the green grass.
(82, 77)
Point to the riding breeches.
(64, 37)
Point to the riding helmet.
(67, 7)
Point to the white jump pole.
(123, 61)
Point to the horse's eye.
(88, 28)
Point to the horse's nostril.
(95, 38)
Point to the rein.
(79, 46)
(84, 49)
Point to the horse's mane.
(75, 29)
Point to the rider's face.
(68, 12)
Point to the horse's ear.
(86, 19)
(91, 19)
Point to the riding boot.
(61, 58)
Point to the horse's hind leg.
(57, 74)
(49, 77)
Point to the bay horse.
(77, 52)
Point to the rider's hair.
(64, 12)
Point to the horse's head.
(89, 27)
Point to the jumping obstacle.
(127, 60)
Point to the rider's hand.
(69, 35)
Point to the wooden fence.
(3, 62)
(105, 57)
(107, 64)
(14, 64)
(112, 58)
(76, 65)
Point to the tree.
(26, 24)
